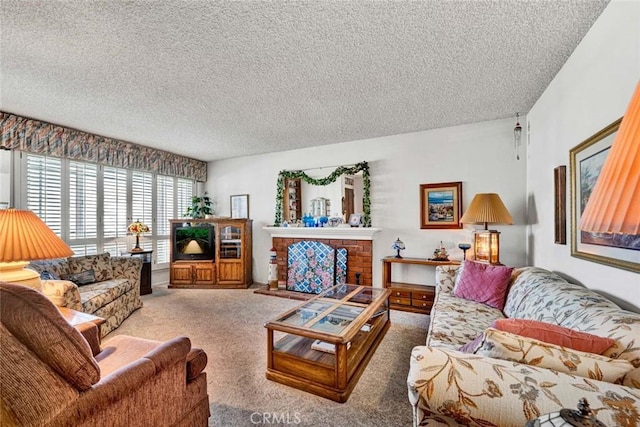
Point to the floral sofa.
(114, 295)
(449, 387)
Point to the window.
(185, 192)
(44, 190)
(142, 203)
(90, 206)
(164, 212)
(83, 208)
(115, 222)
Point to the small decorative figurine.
(398, 246)
(440, 254)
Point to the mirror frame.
(341, 170)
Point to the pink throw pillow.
(554, 334)
(484, 283)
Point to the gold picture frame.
(441, 205)
(585, 161)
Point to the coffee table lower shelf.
(292, 361)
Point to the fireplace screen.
(313, 267)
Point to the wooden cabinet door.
(203, 274)
(181, 274)
(230, 272)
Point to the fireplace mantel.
(344, 233)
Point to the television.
(193, 242)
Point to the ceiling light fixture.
(517, 135)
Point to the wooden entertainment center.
(226, 264)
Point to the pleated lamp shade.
(24, 237)
(486, 208)
(614, 203)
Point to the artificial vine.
(342, 170)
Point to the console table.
(408, 296)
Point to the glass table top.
(334, 310)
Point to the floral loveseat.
(449, 387)
(114, 295)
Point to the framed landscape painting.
(441, 205)
(586, 161)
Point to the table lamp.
(137, 228)
(486, 208)
(398, 246)
(23, 238)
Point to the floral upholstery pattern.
(448, 387)
(454, 324)
(100, 264)
(63, 293)
(59, 266)
(114, 299)
(516, 348)
(542, 295)
(99, 294)
(446, 277)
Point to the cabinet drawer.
(399, 301)
(399, 293)
(422, 304)
(427, 295)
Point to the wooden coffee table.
(349, 320)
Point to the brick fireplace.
(359, 257)
(358, 242)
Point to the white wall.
(480, 155)
(591, 91)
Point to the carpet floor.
(229, 326)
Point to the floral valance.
(34, 136)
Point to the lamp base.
(486, 245)
(137, 248)
(14, 272)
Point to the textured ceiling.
(221, 79)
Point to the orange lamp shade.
(614, 204)
(25, 237)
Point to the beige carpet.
(229, 326)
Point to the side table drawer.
(400, 293)
(399, 301)
(426, 295)
(425, 305)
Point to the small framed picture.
(441, 205)
(240, 206)
(355, 220)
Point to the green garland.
(342, 170)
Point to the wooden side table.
(77, 317)
(408, 296)
(145, 274)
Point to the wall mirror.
(321, 193)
